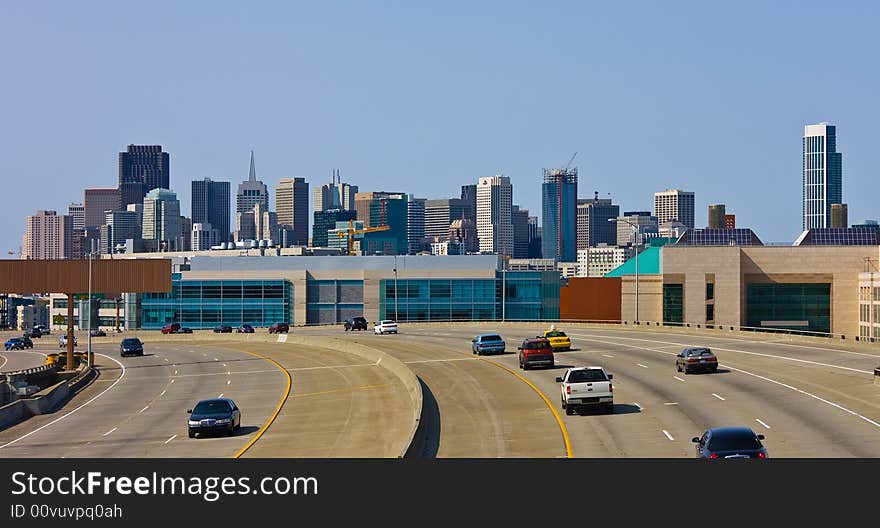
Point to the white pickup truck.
(586, 386)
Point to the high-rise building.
(535, 250)
(645, 225)
(204, 236)
(392, 210)
(674, 204)
(245, 226)
(716, 216)
(729, 221)
(334, 195)
(251, 192)
(96, 203)
(47, 236)
(415, 225)
(823, 175)
(211, 205)
(494, 204)
(120, 226)
(839, 215)
(439, 215)
(266, 224)
(77, 214)
(519, 218)
(463, 232)
(324, 221)
(469, 202)
(186, 226)
(161, 229)
(599, 260)
(292, 207)
(559, 214)
(593, 225)
(142, 168)
(363, 202)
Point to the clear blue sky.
(426, 96)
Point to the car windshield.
(211, 407)
(387, 322)
(536, 345)
(491, 338)
(555, 334)
(732, 441)
(700, 352)
(131, 341)
(581, 376)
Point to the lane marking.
(215, 359)
(669, 436)
(608, 355)
(676, 377)
(144, 409)
(643, 366)
(224, 364)
(163, 392)
(345, 389)
(110, 431)
(671, 403)
(717, 396)
(277, 409)
(56, 420)
(221, 395)
(170, 439)
(172, 380)
(762, 423)
(440, 360)
(228, 382)
(5, 359)
(175, 373)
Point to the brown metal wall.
(591, 299)
(72, 276)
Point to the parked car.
(487, 343)
(184, 330)
(696, 358)
(279, 328)
(220, 415)
(97, 333)
(730, 442)
(584, 387)
(535, 352)
(62, 341)
(386, 326)
(131, 346)
(32, 333)
(223, 329)
(245, 329)
(42, 329)
(558, 339)
(171, 328)
(355, 323)
(18, 343)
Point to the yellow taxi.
(558, 339)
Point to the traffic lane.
(14, 360)
(340, 406)
(192, 372)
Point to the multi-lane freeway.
(310, 399)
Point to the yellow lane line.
(277, 409)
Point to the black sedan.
(223, 329)
(217, 415)
(696, 358)
(355, 323)
(245, 329)
(730, 442)
(131, 346)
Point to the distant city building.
(671, 229)
(602, 259)
(204, 236)
(559, 214)
(142, 168)
(266, 227)
(823, 175)
(567, 270)
(186, 225)
(96, 202)
(211, 204)
(535, 250)
(334, 195)
(447, 248)
(363, 202)
(729, 221)
(839, 215)
(391, 210)
(439, 215)
(536, 264)
(469, 202)
(593, 225)
(245, 226)
(161, 221)
(415, 225)
(324, 221)
(494, 204)
(464, 232)
(716, 216)
(251, 192)
(47, 236)
(292, 208)
(874, 224)
(77, 214)
(646, 227)
(120, 226)
(674, 204)
(519, 218)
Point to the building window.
(673, 303)
(710, 313)
(789, 306)
(710, 291)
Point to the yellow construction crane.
(351, 232)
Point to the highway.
(12, 360)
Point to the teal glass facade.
(789, 306)
(673, 303)
(207, 303)
(527, 296)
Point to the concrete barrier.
(45, 401)
(12, 413)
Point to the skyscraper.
(292, 207)
(674, 204)
(716, 216)
(161, 229)
(251, 192)
(266, 224)
(494, 204)
(96, 203)
(593, 227)
(204, 237)
(392, 210)
(823, 175)
(77, 214)
(534, 238)
(363, 202)
(47, 236)
(142, 168)
(325, 221)
(211, 205)
(559, 214)
(118, 227)
(646, 224)
(415, 224)
(519, 218)
(334, 195)
(439, 214)
(469, 202)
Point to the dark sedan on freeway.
(131, 346)
(217, 415)
(223, 329)
(245, 329)
(696, 358)
(730, 442)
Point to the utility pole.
(90, 355)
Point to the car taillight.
(761, 455)
(691, 360)
(568, 389)
(610, 388)
(713, 455)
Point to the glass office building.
(207, 303)
(789, 306)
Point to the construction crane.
(567, 165)
(351, 232)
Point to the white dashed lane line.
(144, 409)
(110, 431)
(762, 423)
(170, 439)
(669, 436)
(607, 355)
(676, 377)
(643, 366)
(717, 396)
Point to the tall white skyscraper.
(47, 236)
(674, 204)
(823, 175)
(251, 192)
(494, 224)
(161, 220)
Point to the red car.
(535, 352)
(171, 328)
(279, 328)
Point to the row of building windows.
(865, 293)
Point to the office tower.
(469, 202)
(142, 168)
(161, 229)
(839, 215)
(119, 226)
(96, 202)
(494, 204)
(674, 204)
(77, 214)
(593, 225)
(534, 238)
(292, 207)
(729, 221)
(245, 226)
(334, 195)
(392, 210)
(519, 219)
(415, 224)
(363, 202)
(439, 214)
(204, 236)
(823, 174)
(211, 204)
(559, 214)
(324, 221)
(463, 232)
(251, 192)
(186, 225)
(645, 223)
(47, 236)
(716, 216)
(265, 224)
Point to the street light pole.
(90, 357)
(503, 295)
(396, 292)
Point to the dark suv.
(355, 323)
(279, 328)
